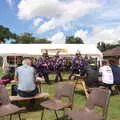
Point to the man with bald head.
(25, 75)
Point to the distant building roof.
(112, 52)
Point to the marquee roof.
(38, 49)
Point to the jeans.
(28, 94)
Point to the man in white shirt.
(107, 75)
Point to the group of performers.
(45, 65)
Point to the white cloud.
(111, 10)
(97, 34)
(37, 21)
(29, 9)
(108, 35)
(82, 34)
(58, 38)
(72, 11)
(67, 27)
(59, 13)
(46, 26)
(63, 13)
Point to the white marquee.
(38, 49)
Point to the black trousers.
(58, 76)
(27, 94)
(109, 86)
(73, 72)
(46, 77)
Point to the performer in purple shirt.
(77, 64)
(58, 67)
(42, 68)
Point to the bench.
(38, 96)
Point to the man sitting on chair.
(91, 74)
(25, 75)
(107, 75)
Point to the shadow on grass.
(80, 92)
(62, 118)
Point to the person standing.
(76, 65)
(58, 68)
(42, 68)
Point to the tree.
(101, 46)
(74, 40)
(27, 38)
(6, 34)
(42, 41)
(106, 46)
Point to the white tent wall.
(36, 49)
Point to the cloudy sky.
(92, 20)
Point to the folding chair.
(117, 88)
(56, 104)
(98, 97)
(6, 108)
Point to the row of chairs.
(98, 97)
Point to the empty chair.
(98, 97)
(55, 104)
(6, 108)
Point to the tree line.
(102, 46)
(28, 38)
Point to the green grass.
(79, 102)
(1, 72)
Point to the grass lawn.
(79, 101)
(1, 73)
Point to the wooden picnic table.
(37, 96)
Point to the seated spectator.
(107, 75)
(91, 73)
(25, 75)
(5, 79)
(116, 71)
